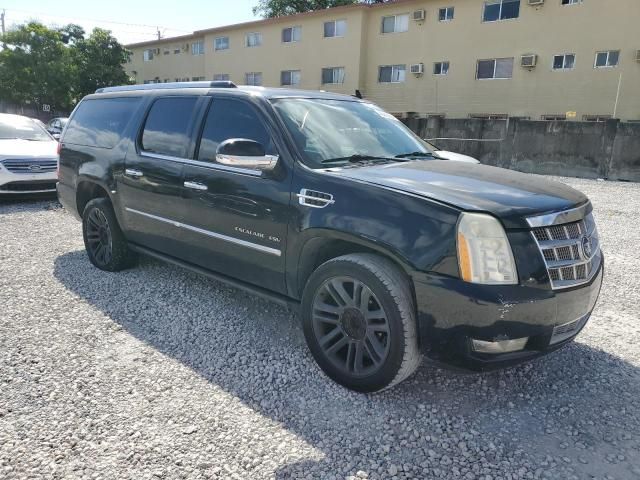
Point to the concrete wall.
(580, 149)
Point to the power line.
(97, 20)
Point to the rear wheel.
(359, 322)
(103, 239)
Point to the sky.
(132, 20)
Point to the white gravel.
(159, 373)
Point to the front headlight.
(484, 253)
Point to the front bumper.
(452, 312)
(26, 183)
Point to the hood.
(26, 148)
(509, 195)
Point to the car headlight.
(484, 253)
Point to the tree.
(97, 63)
(35, 67)
(278, 8)
(40, 65)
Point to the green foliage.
(40, 65)
(278, 8)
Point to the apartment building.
(540, 59)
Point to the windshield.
(22, 128)
(335, 132)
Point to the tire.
(104, 241)
(359, 321)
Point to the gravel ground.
(159, 373)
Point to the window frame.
(446, 10)
(215, 46)
(246, 79)
(257, 35)
(566, 3)
(394, 68)
(200, 50)
(502, 2)
(442, 63)
(564, 62)
(227, 77)
(608, 52)
(395, 23)
(553, 117)
(293, 29)
(290, 72)
(335, 28)
(333, 75)
(495, 68)
(148, 54)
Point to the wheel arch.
(87, 190)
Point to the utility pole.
(159, 34)
(2, 20)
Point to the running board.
(259, 291)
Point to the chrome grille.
(571, 251)
(30, 165)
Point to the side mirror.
(244, 153)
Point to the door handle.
(196, 186)
(130, 172)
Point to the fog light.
(502, 346)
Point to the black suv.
(328, 203)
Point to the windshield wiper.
(417, 155)
(358, 158)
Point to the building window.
(495, 68)
(253, 78)
(176, 51)
(197, 48)
(596, 118)
(253, 39)
(332, 75)
(571, 2)
(395, 23)
(607, 59)
(221, 43)
(335, 28)
(197, 79)
(392, 73)
(441, 68)
(446, 14)
(564, 62)
(495, 10)
(290, 77)
(291, 34)
(166, 51)
(147, 55)
(221, 77)
(554, 117)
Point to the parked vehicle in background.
(55, 126)
(28, 156)
(331, 204)
(447, 155)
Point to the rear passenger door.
(151, 186)
(236, 218)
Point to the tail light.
(58, 166)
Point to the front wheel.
(103, 239)
(359, 322)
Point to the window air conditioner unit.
(185, 47)
(156, 51)
(419, 15)
(528, 61)
(535, 3)
(417, 68)
(638, 56)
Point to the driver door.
(237, 217)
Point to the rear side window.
(100, 122)
(230, 118)
(166, 130)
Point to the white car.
(28, 157)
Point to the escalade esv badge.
(388, 252)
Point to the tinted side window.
(100, 122)
(166, 130)
(230, 118)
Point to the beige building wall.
(581, 29)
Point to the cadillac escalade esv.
(328, 203)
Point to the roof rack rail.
(168, 85)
